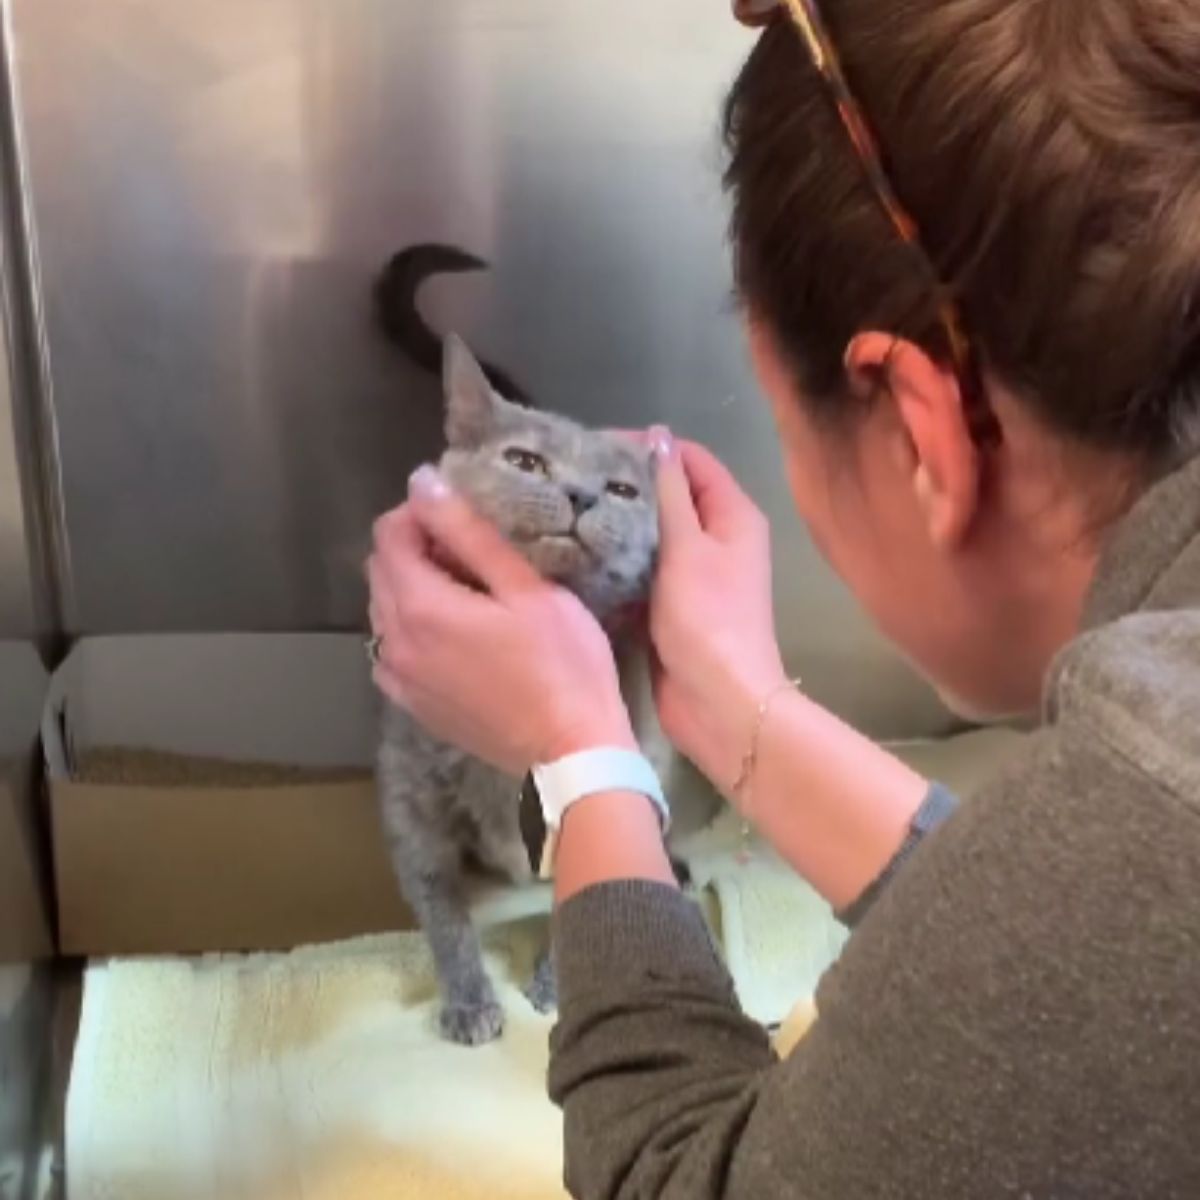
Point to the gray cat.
(580, 506)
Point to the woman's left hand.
(515, 670)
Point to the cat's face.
(578, 504)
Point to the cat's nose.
(581, 499)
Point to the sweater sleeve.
(986, 1018)
(651, 1047)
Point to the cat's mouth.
(568, 539)
(562, 556)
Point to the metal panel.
(214, 186)
(16, 592)
(33, 573)
(26, 991)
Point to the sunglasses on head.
(805, 15)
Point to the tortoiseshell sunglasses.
(806, 17)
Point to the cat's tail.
(400, 318)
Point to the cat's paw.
(542, 991)
(472, 1024)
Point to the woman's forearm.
(832, 802)
(607, 837)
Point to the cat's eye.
(526, 460)
(621, 489)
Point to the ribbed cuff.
(633, 929)
(939, 803)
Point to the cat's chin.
(561, 557)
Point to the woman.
(990, 427)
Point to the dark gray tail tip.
(414, 264)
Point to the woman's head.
(1048, 152)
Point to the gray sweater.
(1018, 1013)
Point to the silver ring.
(374, 648)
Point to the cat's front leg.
(428, 867)
(418, 781)
(470, 1014)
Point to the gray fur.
(445, 814)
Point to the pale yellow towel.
(779, 936)
(314, 1075)
(317, 1074)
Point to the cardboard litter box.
(214, 792)
(24, 930)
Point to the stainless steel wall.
(28, 604)
(212, 187)
(16, 594)
(28, 608)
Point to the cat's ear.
(472, 408)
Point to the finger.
(397, 535)
(639, 437)
(404, 532)
(407, 582)
(382, 607)
(658, 677)
(403, 556)
(677, 516)
(723, 509)
(448, 520)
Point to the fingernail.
(428, 483)
(662, 445)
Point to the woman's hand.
(711, 617)
(514, 670)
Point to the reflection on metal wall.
(213, 187)
(16, 595)
(31, 541)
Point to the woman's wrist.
(608, 724)
(767, 701)
(741, 699)
(608, 837)
(832, 802)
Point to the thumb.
(677, 516)
(472, 543)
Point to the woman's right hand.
(711, 615)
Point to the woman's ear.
(934, 449)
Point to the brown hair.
(1050, 153)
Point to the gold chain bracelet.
(750, 759)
